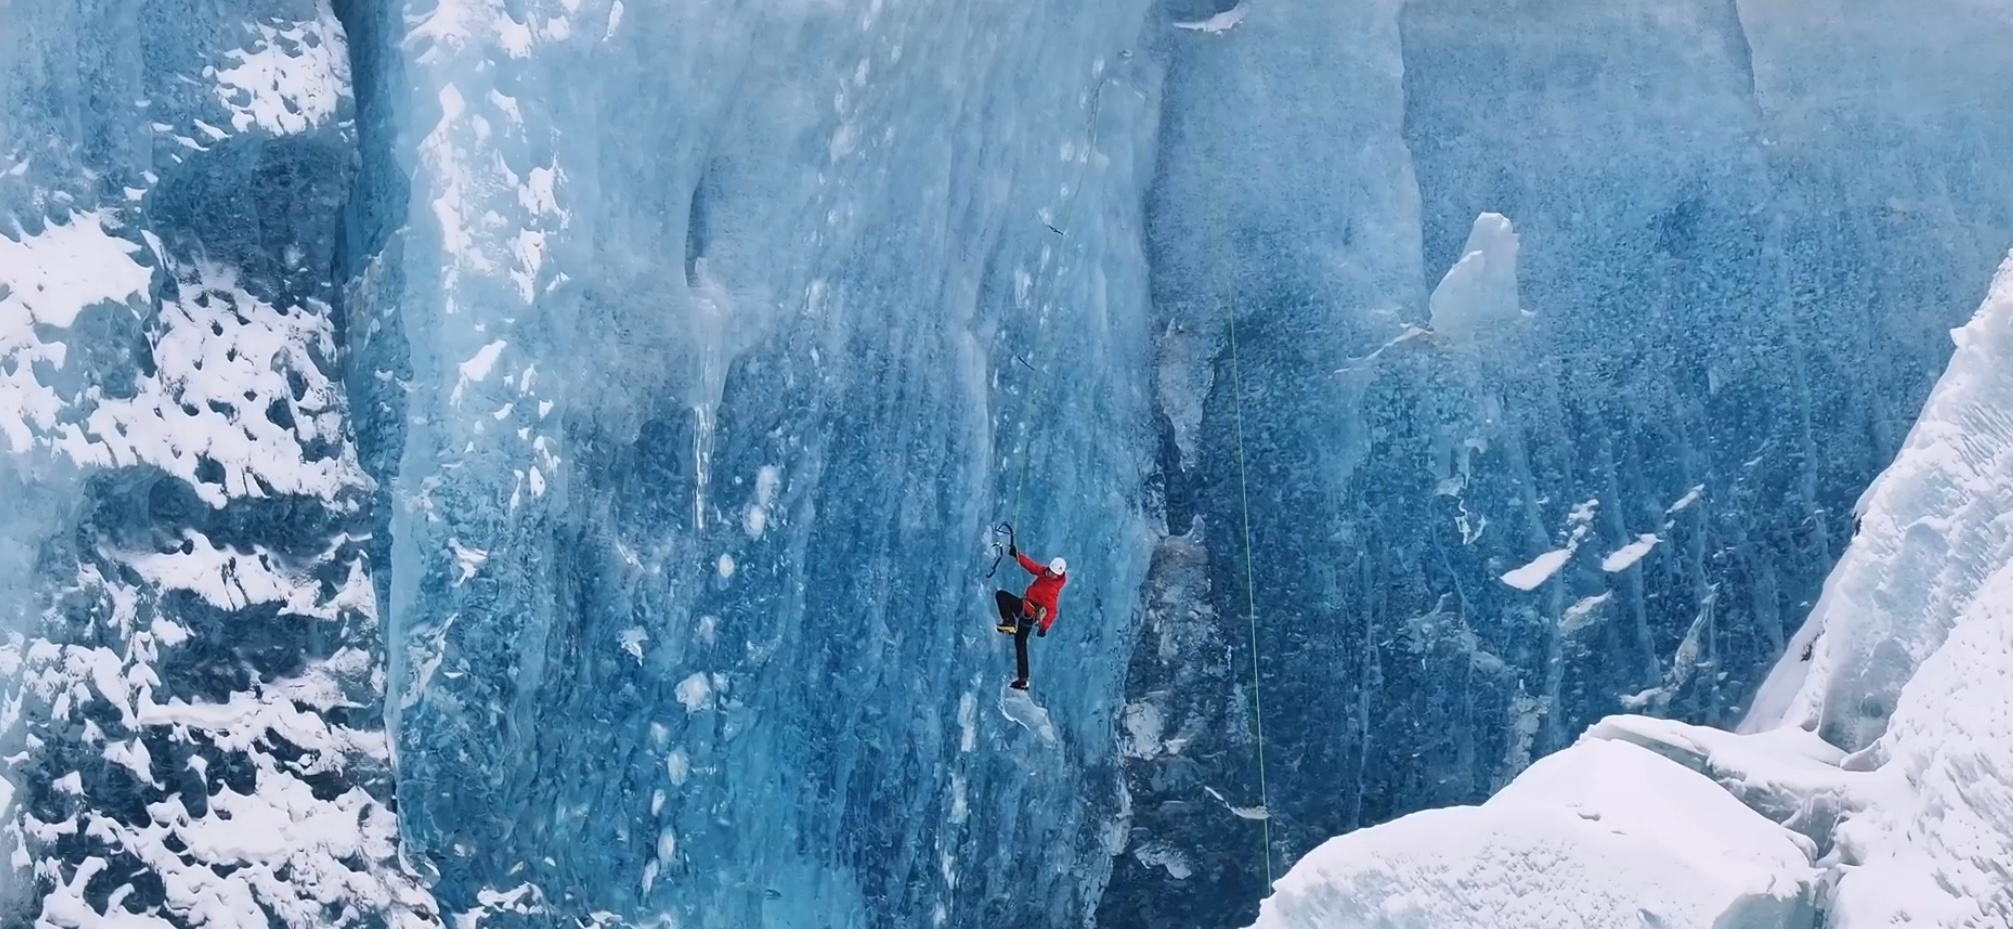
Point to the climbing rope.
(1227, 299)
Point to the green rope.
(1250, 584)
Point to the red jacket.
(1043, 594)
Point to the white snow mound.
(1603, 835)
(1933, 527)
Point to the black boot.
(1018, 685)
(1010, 611)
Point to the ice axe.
(1005, 529)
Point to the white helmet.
(1058, 566)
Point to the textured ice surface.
(652, 370)
(1737, 265)
(719, 336)
(1776, 827)
(190, 665)
(1930, 531)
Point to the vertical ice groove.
(1254, 218)
(487, 187)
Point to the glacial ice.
(578, 420)
(1018, 706)
(724, 332)
(1725, 343)
(1657, 822)
(1931, 529)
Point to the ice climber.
(1033, 612)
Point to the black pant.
(1014, 611)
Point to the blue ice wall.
(592, 412)
(722, 336)
(1739, 266)
(1292, 210)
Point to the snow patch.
(1253, 813)
(1539, 570)
(1583, 613)
(466, 560)
(1017, 706)
(230, 579)
(755, 521)
(1221, 22)
(1161, 855)
(222, 359)
(1624, 558)
(69, 267)
(476, 369)
(695, 692)
(45, 281)
(1691, 496)
(632, 640)
(289, 79)
(1542, 568)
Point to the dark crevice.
(372, 353)
(697, 229)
